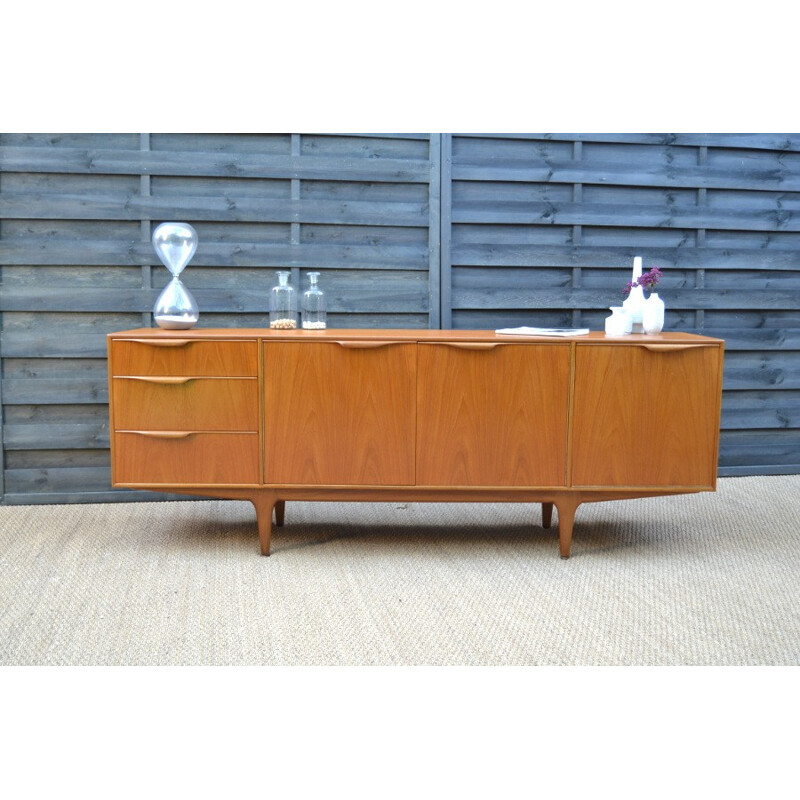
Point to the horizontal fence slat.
(73, 479)
(757, 448)
(97, 252)
(759, 469)
(748, 409)
(612, 174)
(392, 296)
(47, 436)
(225, 208)
(22, 344)
(667, 258)
(641, 215)
(166, 162)
(786, 142)
(533, 298)
(774, 370)
(37, 390)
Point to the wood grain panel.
(645, 418)
(170, 358)
(339, 414)
(492, 417)
(207, 404)
(195, 458)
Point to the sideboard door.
(339, 413)
(492, 414)
(646, 417)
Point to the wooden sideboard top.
(405, 335)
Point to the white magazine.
(544, 331)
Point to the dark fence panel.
(408, 230)
(542, 230)
(76, 215)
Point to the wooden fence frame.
(772, 362)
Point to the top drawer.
(179, 357)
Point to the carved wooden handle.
(365, 345)
(158, 380)
(661, 348)
(163, 434)
(470, 345)
(162, 342)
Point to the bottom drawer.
(186, 458)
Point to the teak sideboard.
(270, 416)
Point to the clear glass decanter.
(283, 304)
(313, 311)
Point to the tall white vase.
(634, 304)
(653, 314)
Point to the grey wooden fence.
(408, 230)
(77, 212)
(542, 229)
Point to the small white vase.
(619, 323)
(653, 314)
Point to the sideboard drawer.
(207, 404)
(181, 357)
(186, 457)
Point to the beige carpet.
(701, 579)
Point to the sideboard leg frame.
(280, 507)
(547, 514)
(566, 518)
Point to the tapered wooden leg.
(264, 504)
(280, 506)
(547, 514)
(566, 518)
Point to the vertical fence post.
(146, 225)
(434, 230)
(295, 226)
(445, 219)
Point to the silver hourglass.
(175, 243)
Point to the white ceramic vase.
(653, 314)
(634, 304)
(619, 323)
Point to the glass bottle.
(313, 310)
(283, 304)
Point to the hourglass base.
(173, 323)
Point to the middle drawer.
(196, 404)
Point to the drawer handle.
(160, 343)
(666, 348)
(163, 434)
(158, 380)
(470, 345)
(365, 345)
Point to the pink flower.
(648, 282)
